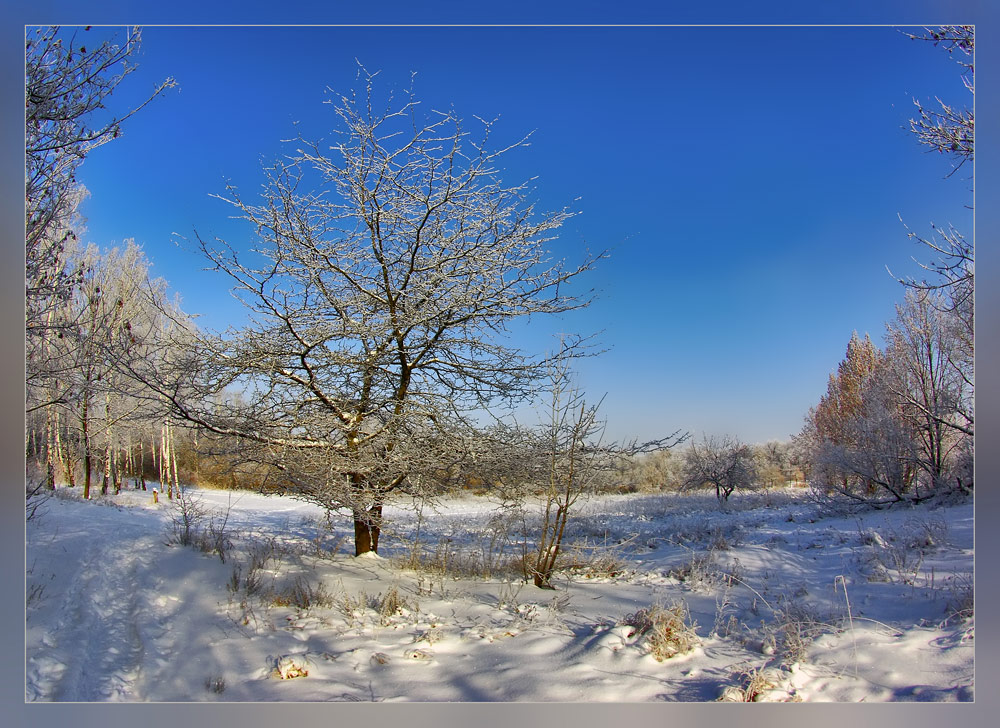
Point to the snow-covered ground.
(787, 604)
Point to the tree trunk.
(142, 465)
(164, 475)
(367, 526)
(68, 460)
(176, 486)
(108, 446)
(50, 448)
(87, 458)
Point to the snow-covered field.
(786, 604)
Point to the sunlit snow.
(792, 604)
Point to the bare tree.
(928, 379)
(723, 463)
(950, 131)
(946, 129)
(572, 458)
(118, 315)
(65, 84)
(384, 274)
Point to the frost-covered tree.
(842, 429)
(944, 128)
(844, 398)
(774, 463)
(69, 78)
(725, 463)
(930, 380)
(950, 130)
(119, 315)
(874, 462)
(382, 277)
(571, 459)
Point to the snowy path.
(107, 611)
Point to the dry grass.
(797, 630)
(303, 595)
(667, 631)
(447, 562)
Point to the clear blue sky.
(748, 181)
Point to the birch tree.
(66, 84)
(382, 277)
(119, 315)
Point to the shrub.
(962, 604)
(390, 605)
(189, 527)
(667, 631)
(798, 629)
(701, 572)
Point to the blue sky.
(748, 182)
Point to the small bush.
(593, 563)
(303, 595)
(189, 527)
(353, 608)
(430, 636)
(392, 604)
(701, 572)
(756, 685)
(291, 666)
(899, 554)
(797, 629)
(962, 604)
(447, 562)
(667, 631)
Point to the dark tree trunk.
(366, 529)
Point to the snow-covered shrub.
(898, 554)
(448, 561)
(418, 654)
(926, 534)
(430, 636)
(962, 604)
(353, 608)
(666, 631)
(700, 572)
(757, 685)
(797, 628)
(593, 562)
(187, 514)
(191, 525)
